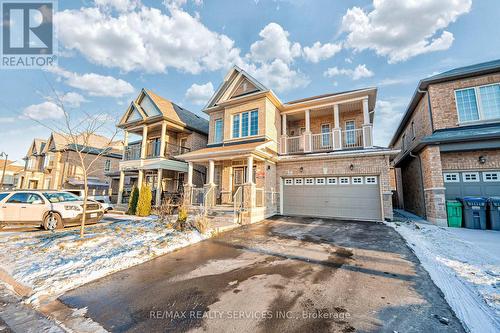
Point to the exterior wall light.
(482, 159)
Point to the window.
(289, 181)
(25, 198)
(350, 132)
(148, 107)
(357, 180)
(246, 124)
(298, 181)
(107, 165)
(478, 103)
(344, 180)
(371, 180)
(325, 137)
(219, 130)
(470, 177)
(320, 181)
(309, 181)
(3, 195)
(451, 178)
(491, 176)
(331, 181)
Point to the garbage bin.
(474, 212)
(454, 212)
(494, 212)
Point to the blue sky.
(181, 49)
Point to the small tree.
(132, 204)
(144, 204)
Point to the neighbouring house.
(165, 130)
(9, 176)
(313, 156)
(54, 163)
(449, 139)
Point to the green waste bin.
(454, 211)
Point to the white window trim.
(249, 124)
(456, 174)
(478, 105)
(298, 181)
(320, 179)
(331, 178)
(360, 178)
(307, 180)
(470, 173)
(491, 180)
(369, 182)
(348, 180)
(288, 181)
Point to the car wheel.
(52, 221)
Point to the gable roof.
(451, 75)
(169, 111)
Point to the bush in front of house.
(201, 223)
(132, 203)
(181, 224)
(144, 204)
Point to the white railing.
(352, 138)
(209, 198)
(197, 196)
(259, 197)
(238, 203)
(295, 144)
(323, 141)
(132, 152)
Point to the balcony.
(133, 152)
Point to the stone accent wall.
(362, 165)
(469, 160)
(444, 110)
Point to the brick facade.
(469, 160)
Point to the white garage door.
(356, 198)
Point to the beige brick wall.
(470, 160)
(435, 204)
(444, 111)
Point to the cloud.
(279, 76)
(318, 52)
(145, 39)
(387, 117)
(119, 5)
(361, 71)
(42, 111)
(400, 30)
(274, 44)
(199, 94)
(72, 99)
(95, 84)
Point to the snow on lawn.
(53, 262)
(465, 265)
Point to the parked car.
(49, 209)
(102, 199)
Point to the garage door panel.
(479, 188)
(352, 201)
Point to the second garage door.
(355, 198)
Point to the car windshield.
(3, 195)
(56, 197)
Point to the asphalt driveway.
(286, 274)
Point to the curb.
(19, 288)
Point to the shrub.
(202, 224)
(182, 217)
(144, 204)
(132, 203)
(166, 210)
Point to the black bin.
(474, 212)
(494, 212)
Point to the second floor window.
(219, 130)
(246, 124)
(107, 165)
(478, 103)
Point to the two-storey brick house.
(313, 156)
(164, 130)
(449, 139)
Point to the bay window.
(478, 103)
(245, 124)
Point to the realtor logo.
(28, 34)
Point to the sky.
(181, 49)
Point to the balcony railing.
(323, 141)
(153, 149)
(295, 144)
(352, 138)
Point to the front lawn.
(51, 263)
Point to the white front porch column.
(336, 116)
(366, 112)
(307, 134)
(337, 131)
(125, 144)
(283, 124)
(250, 169)
(121, 185)
(163, 138)
(211, 172)
(283, 146)
(140, 177)
(190, 174)
(367, 126)
(144, 141)
(158, 187)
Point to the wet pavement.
(285, 274)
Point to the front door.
(238, 177)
